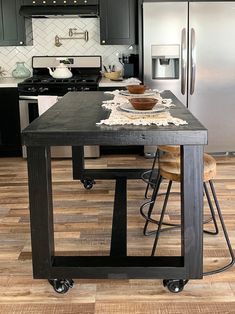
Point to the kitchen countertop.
(105, 82)
(9, 82)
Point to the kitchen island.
(72, 121)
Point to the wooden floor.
(83, 226)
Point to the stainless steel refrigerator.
(189, 48)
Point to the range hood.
(85, 8)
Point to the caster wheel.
(174, 285)
(61, 285)
(88, 183)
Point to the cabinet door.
(118, 21)
(10, 137)
(12, 26)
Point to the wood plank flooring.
(83, 226)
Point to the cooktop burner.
(85, 70)
(74, 79)
(47, 85)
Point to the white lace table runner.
(120, 117)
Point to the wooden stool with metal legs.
(152, 176)
(169, 168)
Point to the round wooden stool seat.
(173, 149)
(169, 166)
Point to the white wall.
(44, 32)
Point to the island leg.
(192, 210)
(41, 210)
(41, 216)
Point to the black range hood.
(81, 10)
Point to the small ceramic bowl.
(113, 75)
(136, 89)
(143, 103)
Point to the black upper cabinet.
(12, 25)
(118, 22)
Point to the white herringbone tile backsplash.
(44, 32)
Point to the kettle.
(61, 71)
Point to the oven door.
(29, 111)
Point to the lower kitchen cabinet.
(12, 25)
(10, 134)
(118, 22)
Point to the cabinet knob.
(103, 41)
(85, 1)
(21, 42)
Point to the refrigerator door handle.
(193, 61)
(183, 61)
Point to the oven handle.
(32, 97)
(28, 97)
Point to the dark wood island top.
(72, 121)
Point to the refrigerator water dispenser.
(165, 61)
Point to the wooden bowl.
(143, 103)
(113, 75)
(136, 89)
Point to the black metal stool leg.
(151, 174)
(161, 218)
(172, 226)
(151, 204)
(213, 218)
(225, 235)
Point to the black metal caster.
(175, 285)
(61, 285)
(88, 183)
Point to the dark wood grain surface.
(72, 121)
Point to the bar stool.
(169, 168)
(151, 179)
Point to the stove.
(86, 76)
